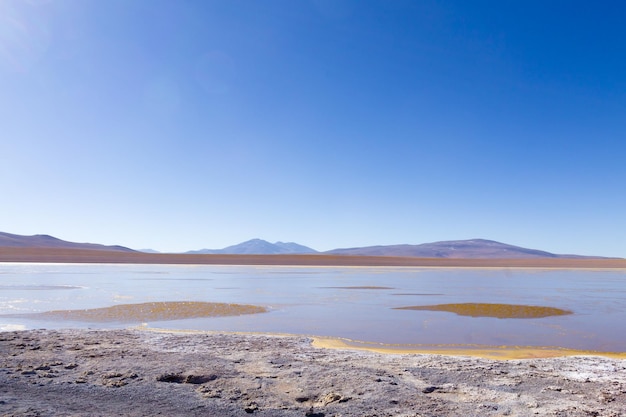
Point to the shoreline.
(504, 353)
(135, 372)
(499, 353)
(72, 256)
(304, 265)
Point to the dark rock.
(174, 378)
(251, 408)
(199, 379)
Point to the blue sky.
(180, 125)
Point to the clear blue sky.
(179, 125)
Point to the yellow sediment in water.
(480, 351)
(487, 352)
(156, 311)
(501, 311)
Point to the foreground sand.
(142, 373)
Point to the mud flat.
(502, 311)
(146, 373)
(152, 311)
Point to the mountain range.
(259, 247)
(47, 241)
(460, 249)
(454, 249)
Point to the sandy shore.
(143, 373)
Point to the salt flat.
(142, 373)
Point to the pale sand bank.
(151, 311)
(142, 373)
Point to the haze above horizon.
(332, 123)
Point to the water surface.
(350, 302)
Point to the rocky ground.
(141, 373)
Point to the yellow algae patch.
(481, 351)
(501, 311)
(156, 311)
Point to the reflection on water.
(500, 311)
(354, 303)
(414, 293)
(173, 279)
(37, 287)
(362, 287)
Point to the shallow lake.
(351, 302)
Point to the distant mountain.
(46, 241)
(148, 251)
(456, 249)
(473, 248)
(259, 247)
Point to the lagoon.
(358, 303)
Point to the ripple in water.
(362, 287)
(38, 287)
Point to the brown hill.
(456, 249)
(45, 241)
